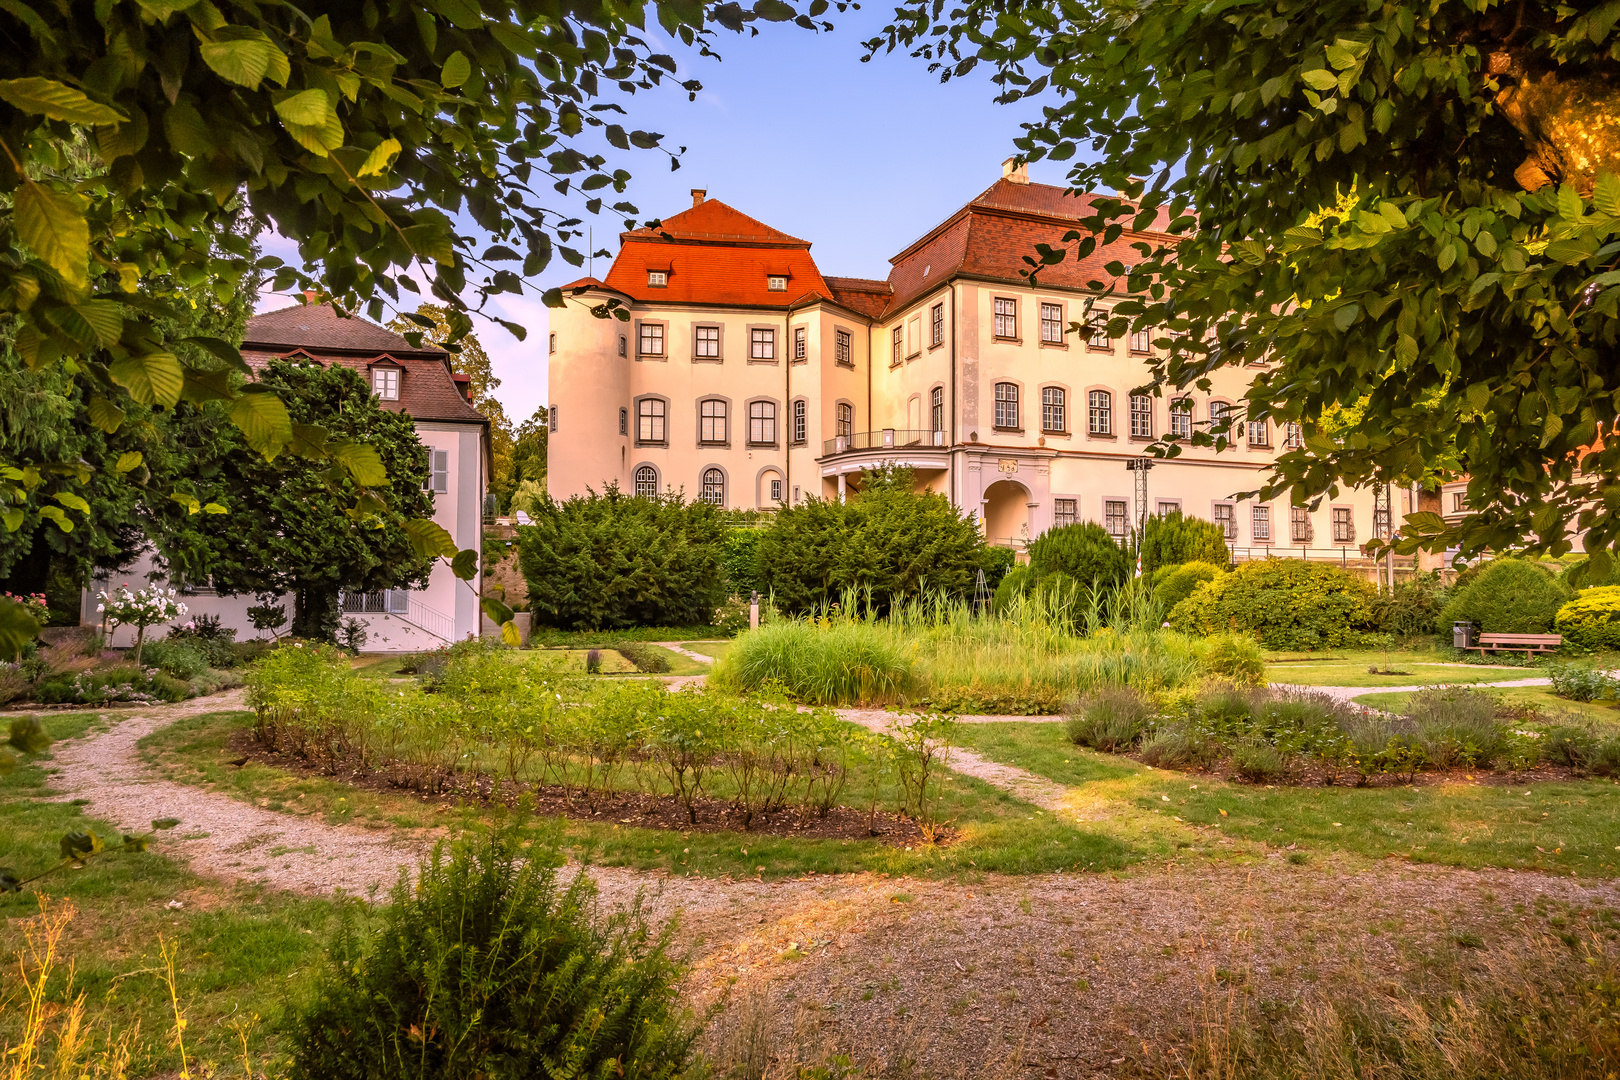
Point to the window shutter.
(439, 471)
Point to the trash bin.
(1462, 635)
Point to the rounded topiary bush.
(1084, 551)
(1013, 584)
(1173, 584)
(1592, 619)
(1284, 603)
(1510, 596)
(491, 966)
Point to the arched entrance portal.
(1006, 512)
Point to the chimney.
(698, 195)
(1015, 172)
(311, 296)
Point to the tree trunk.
(140, 642)
(1570, 125)
(315, 614)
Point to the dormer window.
(776, 283)
(385, 383)
(657, 279)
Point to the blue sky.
(791, 128)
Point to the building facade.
(419, 382)
(745, 377)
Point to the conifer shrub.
(1084, 551)
(1284, 603)
(1013, 585)
(490, 966)
(1173, 584)
(1592, 619)
(1173, 539)
(1510, 596)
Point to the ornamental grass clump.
(1110, 719)
(1456, 727)
(489, 965)
(822, 661)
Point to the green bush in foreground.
(1592, 619)
(1173, 584)
(1285, 603)
(1510, 596)
(488, 966)
(1084, 551)
(1174, 539)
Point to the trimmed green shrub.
(888, 541)
(1592, 619)
(207, 636)
(611, 560)
(1173, 584)
(1109, 719)
(181, 658)
(1510, 596)
(1284, 603)
(488, 966)
(1412, 609)
(1172, 539)
(1059, 593)
(1084, 551)
(648, 658)
(1013, 585)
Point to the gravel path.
(677, 647)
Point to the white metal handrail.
(433, 621)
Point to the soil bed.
(623, 807)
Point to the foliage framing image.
(1408, 210)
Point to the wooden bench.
(1521, 643)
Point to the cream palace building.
(747, 378)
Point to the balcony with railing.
(886, 439)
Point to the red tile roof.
(989, 237)
(716, 255)
(427, 387)
(862, 295)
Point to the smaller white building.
(418, 382)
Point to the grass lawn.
(997, 832)
(1344, 674)
(716, 649)
(1603, 715)
(1563, 827)
(245, 954)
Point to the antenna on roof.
(590, 242)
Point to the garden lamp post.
(1138, 468)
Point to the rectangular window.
(762, 423)
(1052, 324)
(1065, 512)
(712, 421)
(1054, 410)
(846, 420)
(385, 381)
(936, 319)
(1226, 520)
(624, 421)
(651, 342)
(551, 419)
(762, 343)
(937, 408)
(1259, 433)
(624, 345)
(1181, 419)
(800, 412)
(657, 279)
(1166, 508)
(1299, 525)
(1099, 338)
(914, 336)
(438, 472)
(801, 342)
(1141, 416)
(1006, 405)
(1260, 523)
(844, 348)
(1115, 517)
(1459, 503)
(776, 491)
(1344, 530)
(898, 352)
(1141, 342)
(707, 345)
(650, 421)
(776, 283)
(551, 344)
(1099, 412)
(1293, 439)
(1006, 317)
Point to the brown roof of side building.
(427, 385)
(862, 295)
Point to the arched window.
(799, 421)
(846, 419)
(646, 482)
(936, 408)
(1054, 409)
(1100, 412)
(1006, 405)
(762, 423)
(714, 487)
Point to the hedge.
(1592, 619)
(1510, 596)
(1285, 603)
(1173, 584)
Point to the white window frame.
(650, 334)
(645, 489)
(1054, 410)
(714, 417)
(1006, 406)
(658, 279)
(1099, 412)
(712, 486)
(762, 423)
(1117, 517)
(652, 424)
(438, 479)
(1051, 323)
(1260, 523)
(1065, 512)
(762, 343)
(385, 383)
(1005, 309)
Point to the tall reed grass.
(1032, 657)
